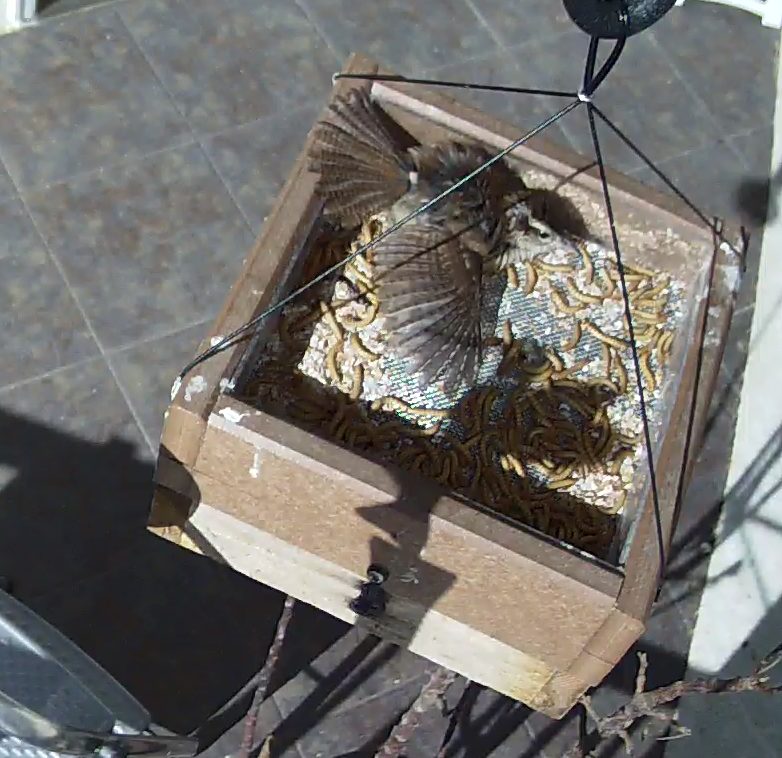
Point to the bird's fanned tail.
(361, 168)
(429, 287)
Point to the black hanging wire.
(633, 343)
(239, 333)
(590, 83)
(710, 223)
(458, 85)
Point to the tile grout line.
(305, 9)
(47, 374)
(194, 133)
(90, 328)
(165, 334)
(694, 96)
(485, 23)
(121, 163)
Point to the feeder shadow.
(74, 547)
(758, 198)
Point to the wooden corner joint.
(599, 657)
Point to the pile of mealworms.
(549, 436)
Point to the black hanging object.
(612, 19)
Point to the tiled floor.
(141, 145)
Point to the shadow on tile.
(182, 632)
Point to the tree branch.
(646, 704)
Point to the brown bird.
(429, 271)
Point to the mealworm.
(358, 382)
(646, 371)
(668, 342)
(359, 276)
(361, 322)
(621, 372)
(516, 465)
(492, 341)
(619, 459)
(616, 342)
(629, 275)
(331, 362)
(554, 360)
(485, 408)
(602, 381)
(615, 507)
(641, 271)
(659, 288)
(561, 304)
(539, 373)
(575, 338)
(513, 277)
(531, 277)
(649, 318)
(407, 408)
(605, 354)
(558, 376)
(556, 268)
(362, 349)
(508, 359)
(561, 484)
(589, 266)
(445, 473)
(331, 320)
(563, 472)
(428, 431)
(341, 429)
(584, 297)
(607, 287)
(507, 333)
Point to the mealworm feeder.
(499, 601)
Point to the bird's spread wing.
(430, 294)
(362, 168)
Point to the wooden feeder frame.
(495, 601)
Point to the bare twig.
(264, 677)
(648, 704)
(431, 696)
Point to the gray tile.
(150, 247)
(409, 36)
(355, 669)
(490, 724)
(80, 483)
(712, 177)
(7, 188)
(758, 193)
(518, 21)
(654, 109)
(263, 57)
(50, 8)
(181, 631)
(255, 159)
(358, 731)
(522, 110)
(148, 369)
(77, 94)
(728, 58)
(41, 324)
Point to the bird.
(428, 273)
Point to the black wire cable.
(458, 85)
(230, 339)
(633, 343)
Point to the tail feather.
(362, 169)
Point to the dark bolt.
(372, 598)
